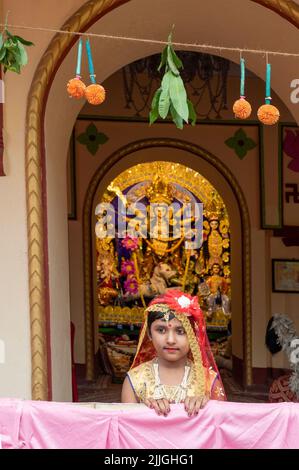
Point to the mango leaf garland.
(171, 97)
(13, 54)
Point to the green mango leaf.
(24, 42)
(163, 58)
(13, 54)
(11, 37)
(176, 118)
(156, 98)
(23, 54)
(2, 53)
(170, 62)
(9, 44)
(164, 103)
(192, 113)
(178, 96)
(176, 59)
(15, 67)
(166, 81)
(153, 115)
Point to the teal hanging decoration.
(75, 87)
(94, 93)
(267, 113)
(242, 108)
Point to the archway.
(35, 180)
(196, 158)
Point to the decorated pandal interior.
(132, 269)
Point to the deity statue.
(218, 301)
(107, 274)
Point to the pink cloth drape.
(220, 425)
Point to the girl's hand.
(194, 404)
(161, 406)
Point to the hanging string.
(154, 41)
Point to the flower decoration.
(226, 271)
(267, 113)
(94, 93)
(240, 143)
(241, 107)
(181, 303)
(225, 257)
(75, 87)
(225, 243)
(130, 243)
(92, 139)
(131, 285)
(127, 268)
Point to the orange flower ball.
(242, 109)
(95, 94)
(76, 88)
(268, 114)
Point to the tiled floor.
(104, 391)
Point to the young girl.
(173, 362)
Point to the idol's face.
(169, 339)
(214, 224)
(216, 269)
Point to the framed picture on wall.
(285, 275)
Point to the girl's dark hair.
(153, 316)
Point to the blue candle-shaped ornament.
(242, 82)
(268, 84)
(94, 93)
(267, 113)
(90, 63)
(79, 59)
(241, 107)
(75, 87)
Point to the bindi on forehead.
(171, 324)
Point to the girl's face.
(169, 339)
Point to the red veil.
(186, 309)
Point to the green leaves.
(171, 97)
(13, 54)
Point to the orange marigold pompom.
(242, 109)
(95, 94)
(76, 88)
(268, 114)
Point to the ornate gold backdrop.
(161, 199)
(164, 181)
